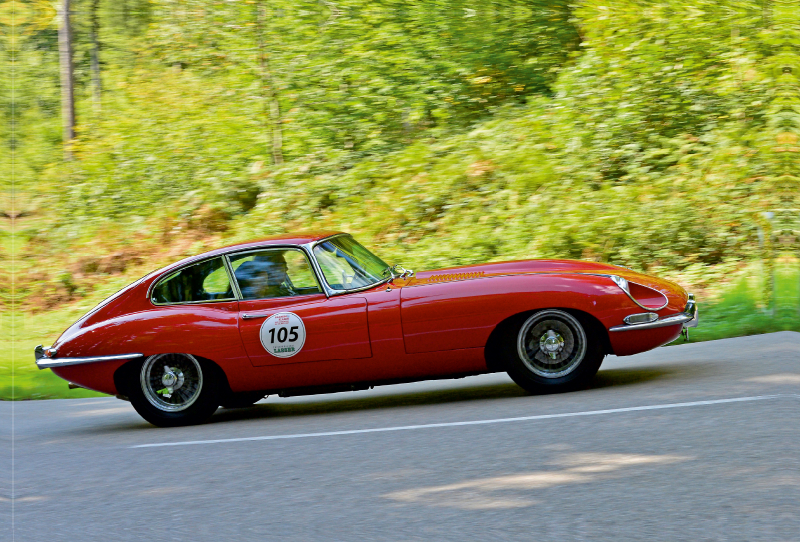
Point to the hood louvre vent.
(449, 277)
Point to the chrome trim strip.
(226, 300)
(328, 238)
(361, 288)
(644, 306)
(308, 248)
(647, 318)
(231, 277)
(688, 315)
(48, 363)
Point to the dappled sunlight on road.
(780, 378)
(514, 491)
(102, 411)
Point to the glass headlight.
(621, 282)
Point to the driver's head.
(273, 266)
(262, 276)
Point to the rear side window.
(204, 281)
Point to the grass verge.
(742, 309)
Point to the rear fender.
(209, 331)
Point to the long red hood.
(527, 267)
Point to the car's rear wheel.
(551, 351)
(174, 389)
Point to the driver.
(264, 276)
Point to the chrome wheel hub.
(551, 343)
(172, 378)
(171, 382)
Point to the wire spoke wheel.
(171, 382)
(551, 344)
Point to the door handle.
(247, 316)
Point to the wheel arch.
(128, 373)
(495, 361)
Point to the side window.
(337, 269)
(204, 281)
(274, 273)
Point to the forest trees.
(338, 81)
(642, 133)
(67, 80)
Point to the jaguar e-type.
(319, 313)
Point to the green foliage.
(742, 309)
(652, 134)
(187, 111)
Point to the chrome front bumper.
(45, 358)
(688, 318)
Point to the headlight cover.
(621, 282)
(644, 296)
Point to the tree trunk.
(97, 85)
(67, 82)
(273, 106)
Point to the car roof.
(293, 239)
(284, 239)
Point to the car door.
(285, 318)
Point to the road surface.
(689, 442)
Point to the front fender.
(462, 314)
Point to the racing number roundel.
(283, 334)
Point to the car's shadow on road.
(312, 406)
(328, 404)
(610, 378)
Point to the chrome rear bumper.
(688, 318)
(45, 358)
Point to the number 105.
(283, 333)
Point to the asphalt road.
(590, 465)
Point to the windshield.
(348, 265)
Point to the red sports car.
(305, 314)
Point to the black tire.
(552, 351)
(242, 399)
(170, 390)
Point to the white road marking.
(472, 422)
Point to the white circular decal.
(283, 334)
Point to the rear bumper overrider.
(688, 318)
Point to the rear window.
(204, 281)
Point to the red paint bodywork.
(434, 324)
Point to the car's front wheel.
(170, 390)
(551, 350)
